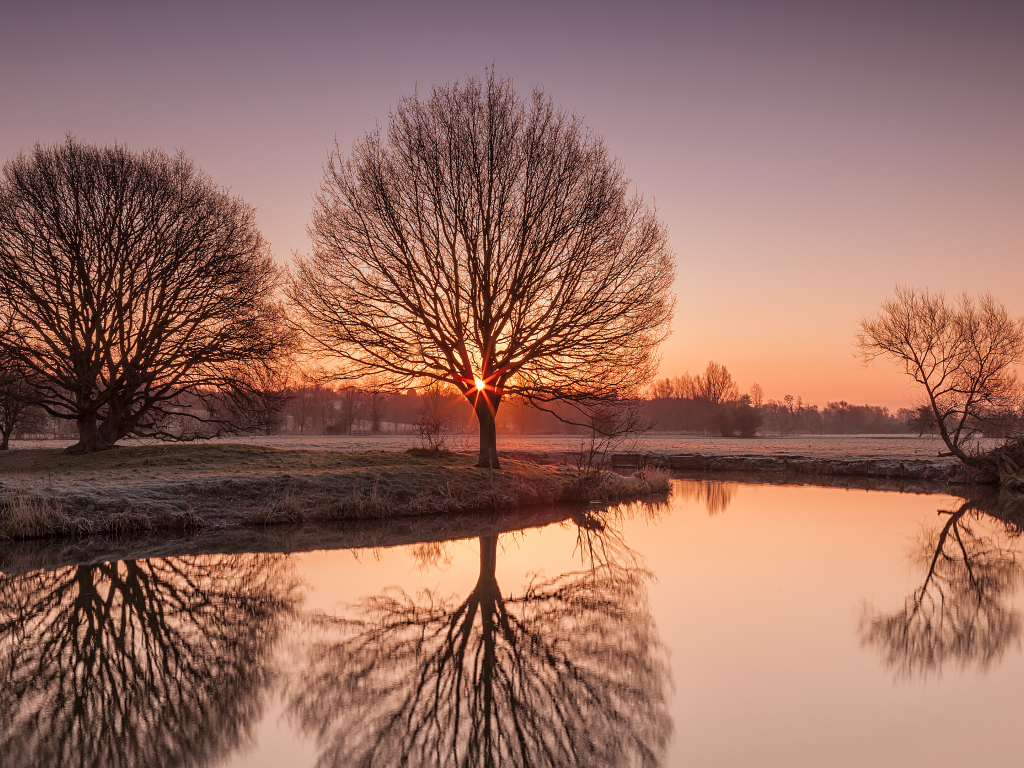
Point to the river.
(737, 624)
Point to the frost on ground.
(140, 488)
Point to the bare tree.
(18, 399)
(303, 401)
(716, 385)
(350, 407)
(18, 409)
(756, 395)
(489, 242)
(309, 400)
(433, 414)
(612, 428)
(963, 353)
(134, 283)
(662, 389)
(376, 396)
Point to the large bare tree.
(135, 284)
(491, 242)
(963, 353)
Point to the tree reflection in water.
(963, 611)
(570, 672)
(715, 495)
(149, 662)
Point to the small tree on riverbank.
(963, 353)
(488, 242)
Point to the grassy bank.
(140, 488)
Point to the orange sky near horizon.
(805, 158)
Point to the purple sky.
(805, 158)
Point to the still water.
(736, 625)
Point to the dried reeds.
(25, 514)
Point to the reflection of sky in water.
(765, 597)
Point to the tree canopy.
(491, 242)
(963, 353)
(136, 287)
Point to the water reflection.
(570, 672)
(962, 614)
(715, 495)
(132, 663)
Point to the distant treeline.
(315, 409)
(711, 403)
(786, 417)
(708, 403)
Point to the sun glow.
(480, 384)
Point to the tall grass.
(286, 510)
(602, 485)
(28, 515)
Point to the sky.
(806, 157)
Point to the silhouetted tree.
(134, 283)
(707, 401)
(350, 408)
(715, 385)
(756, 395)
(150, 662)
(489, 242)
(376, 398)
(963, 611)
(307, 401)
(18, 399)
(569, 673)
(739, 416)
(962, 353)
(920, 419)
(433, 414)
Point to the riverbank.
(942, 470)
(231, 486)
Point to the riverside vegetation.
(143, 488)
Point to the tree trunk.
(89, 438)
(486, 407)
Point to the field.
(228, 485)
(895, 447)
